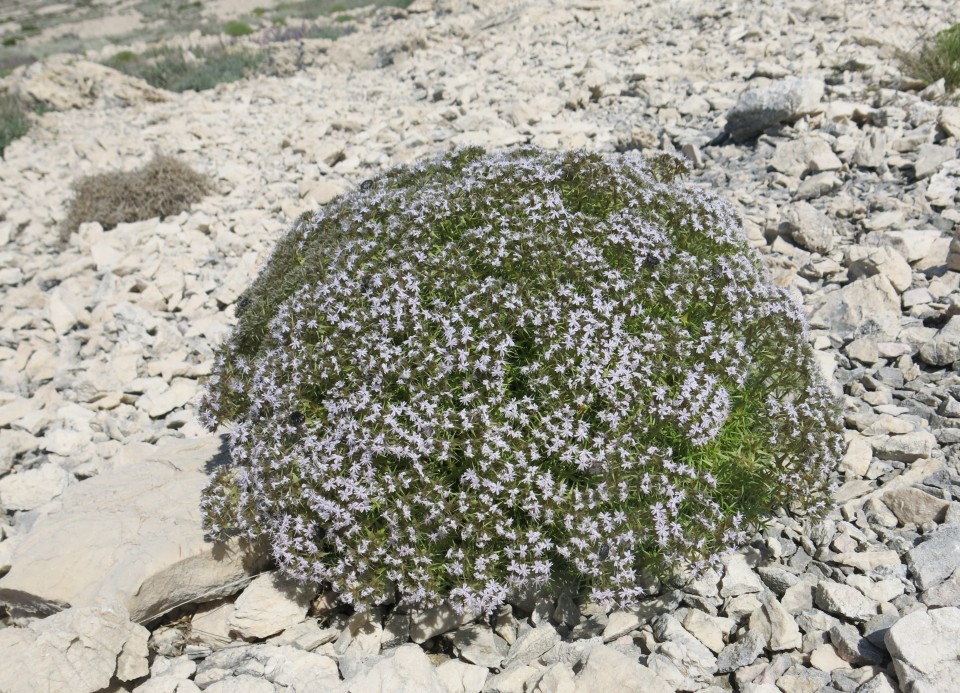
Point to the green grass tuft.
(14, 120)
(171, 69)
(935, 58)
(236, 28)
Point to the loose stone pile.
(847, 178)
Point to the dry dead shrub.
(163, 187)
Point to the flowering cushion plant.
(491, 370)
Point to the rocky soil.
(846, 174)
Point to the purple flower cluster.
(486, 371)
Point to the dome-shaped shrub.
(497, 369)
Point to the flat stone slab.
(133, 535)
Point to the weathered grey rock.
(936, 558)
(809, 228)
(32, 488)
(881, 683)
(870, 300)
(710, 630)
(305, 636)
(557, 678)
(605, 669)
(866, 261)
(741, 653)
(477, 644)
(396, 631)
(776, 625)
(284, 666)
(437, 620)
(904, 448)
(167, 684)
(692, 652)
(871, 150)
(925, 647)
(853, 647)
(739, 579)
(62, 84)
(930, 157)
(269, 605)
(132, 535)
(403, 670)
(460, 677)
(79, 649)
(362, 634)
(916, 506)
(799, 679)
(947, 593)
(243, 683)
(807, 155)
(531, 645)
(780, 102)
(845, 601)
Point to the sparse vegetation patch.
(163, 187)
(935, 58)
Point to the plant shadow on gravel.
(165, 186)
(935, 57)
(487, 372)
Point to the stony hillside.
(845, 171)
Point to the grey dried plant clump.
(500, 369)
(162, 187)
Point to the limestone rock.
(809, 228)
(783, 101)
(808, 155)
(865, 304)
(142, 542)
(741, 653)
(605, 669)
(428, 623)
(936, 558)
(269, 605)
(32, 488)
(63, 84)
(529, 646)
(460, 677)
(739, 579)
(81, 648)
(777, 626)
(867, 261)
(844, 600)
(916, 506)
(925, 647)
(403, 670)
(477, 644)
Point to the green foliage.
(14, 120)
(236, 28)
(163, 187)
(490, 370)
(935, 58)
(173, 70)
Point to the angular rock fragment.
(131, 535)
(925, 646)
(783, 101)
(605, 669)
(269, 605)
(80, 648)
